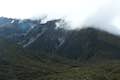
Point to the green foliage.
(19, 64)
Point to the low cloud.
(104, 17)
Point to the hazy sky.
(75, 11)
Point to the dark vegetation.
(18, 64)
(57, 54)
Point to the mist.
(102, 14)
(105, 18)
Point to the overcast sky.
(77, 12)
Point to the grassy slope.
(18, 64)
(106, 71)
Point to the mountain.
(16, 63)
(16, 28)
(90, 43)
(45, 34)
(87, 44)
(31, 50)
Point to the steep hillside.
(18, 64)
(30, 50)
(90, 43)
(84, 45)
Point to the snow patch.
(12, 21)
(35, 38)
(20, 21)
(61, 40)
(32, 26)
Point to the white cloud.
(74, 11)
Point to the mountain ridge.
(77, 44)
(44, 52)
